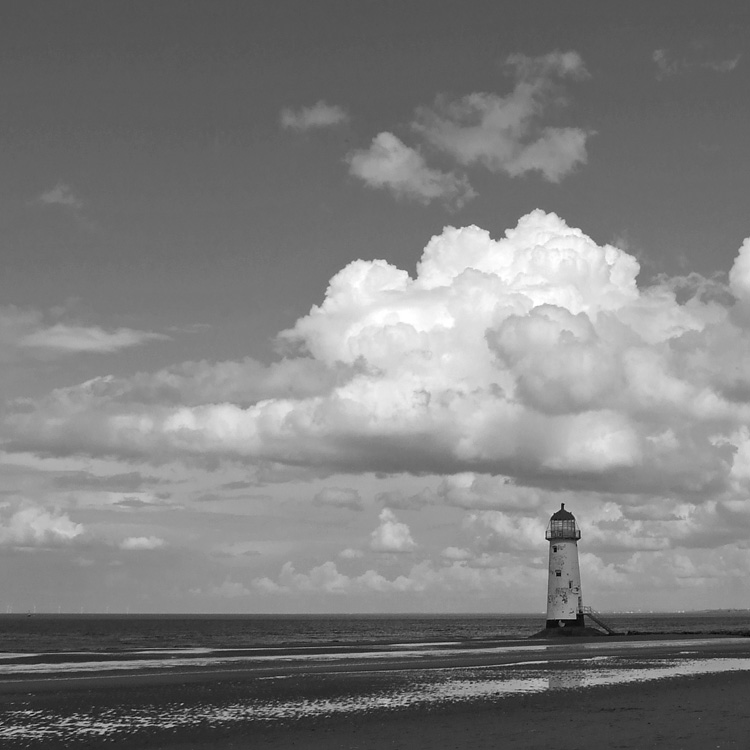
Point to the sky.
(326, 307)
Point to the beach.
(637, 692)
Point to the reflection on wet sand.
(565, 680)
(363, 688)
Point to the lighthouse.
(564, 598)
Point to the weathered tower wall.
(564, 598)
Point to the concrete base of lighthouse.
(566, 624)
(577, 631)
(568, 629)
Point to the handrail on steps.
(597, 618)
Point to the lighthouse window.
(570, 584)
(554, 548)
(558, 573)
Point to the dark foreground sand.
(699, 712)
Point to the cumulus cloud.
(33, 526)
(624, 562)
(668, 64)
(391, 535)
(339, 497)
(325, 577)
(508, 133)
(60, 195)
(392, 165)
(230, 590)
(319, 115)
(424, 579)
(739, 275)
(142, 543)
(529, 361)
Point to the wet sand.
(694, 713)
(609, 693)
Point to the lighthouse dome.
(562, 525)
(562, 514)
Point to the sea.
(60, 633)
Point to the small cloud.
(723, 66)
(351, 554)
(133, 503)
(273, 472)
(391, 165)
(209, 497)
(71, 338)
(319, 115)
(456, 553)
(238, 485)
(42, 333)
(339, 497)
(669, 65)
(666, 66)
(266, 586)
(391, 535)
(60, 195)
(142, 543)
(37, 527)
(238, 550)
(229, 590)
(398, 499)
(131, 481)
(554, 64)
(506, 133)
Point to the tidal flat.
(626, 692)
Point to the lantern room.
(562, 525)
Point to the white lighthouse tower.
(564, 598)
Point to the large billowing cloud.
(739, 276)
(535, 358)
